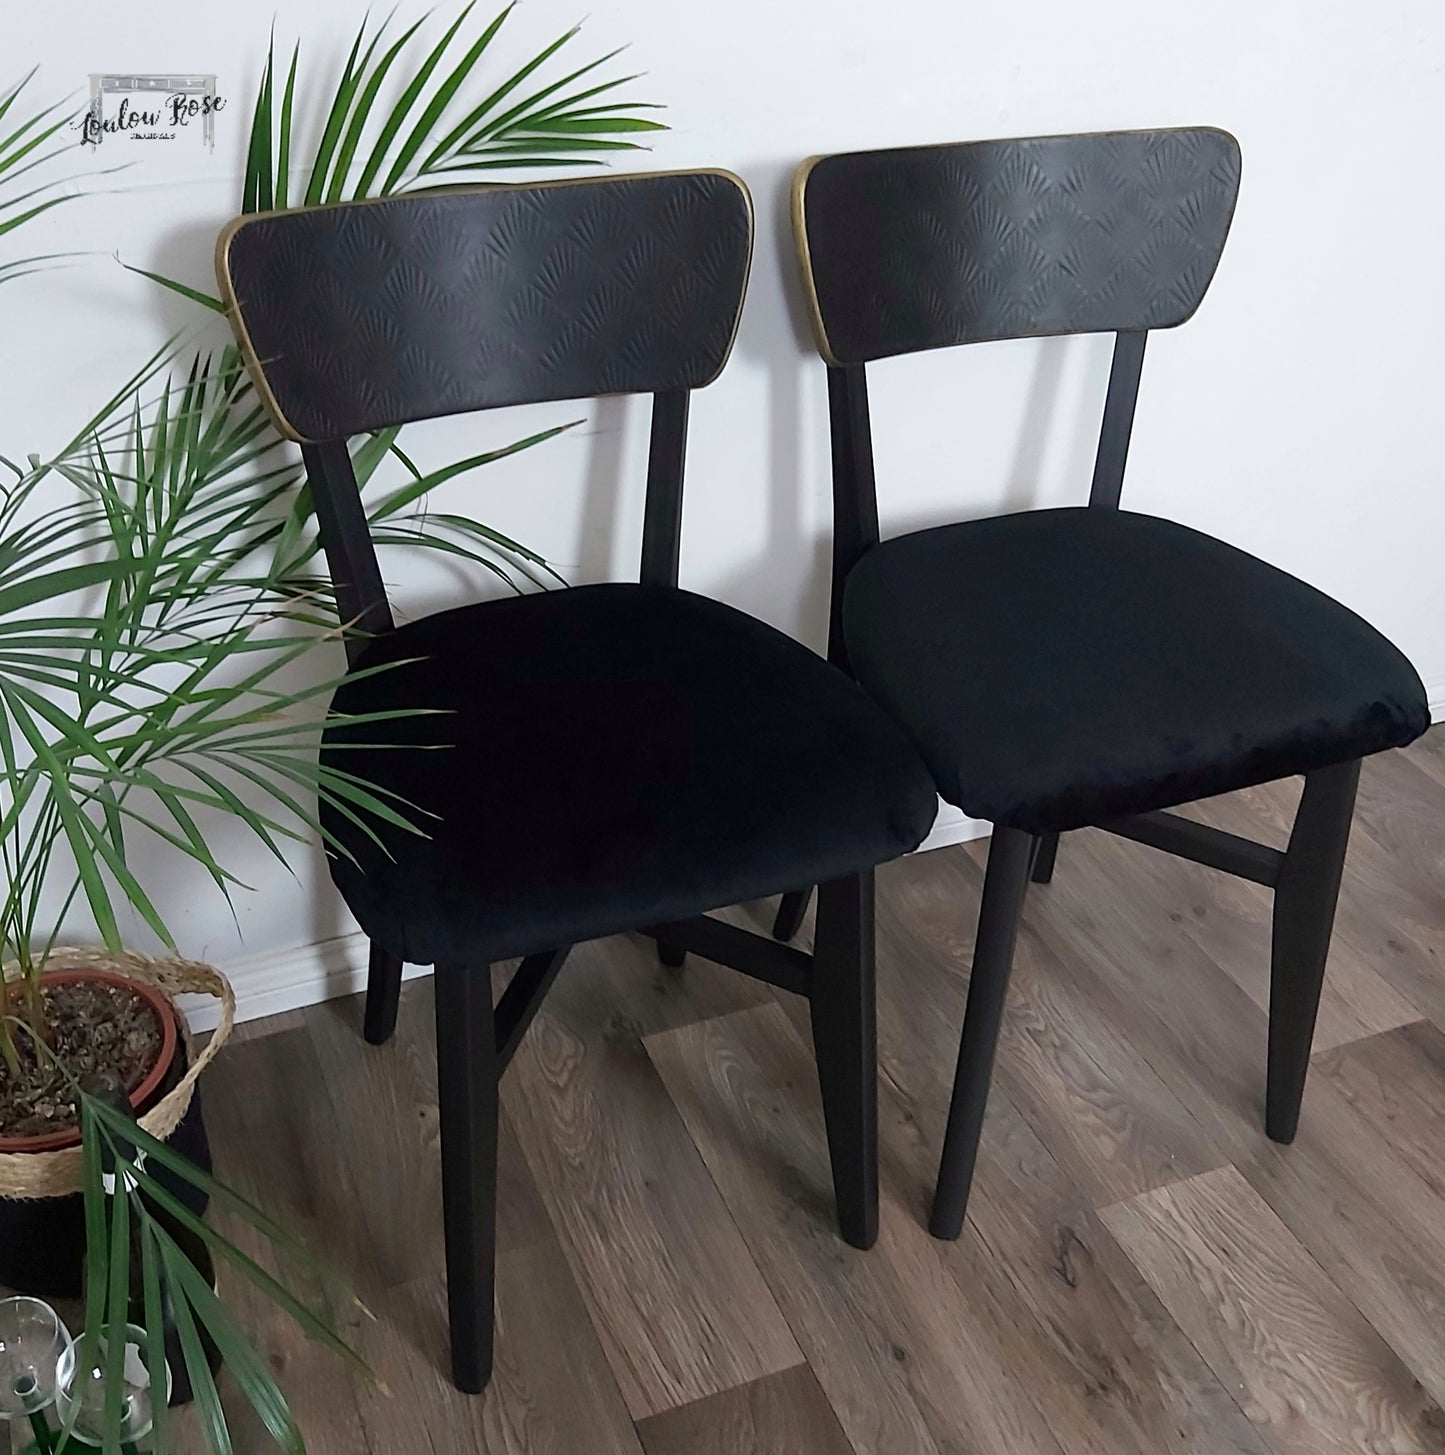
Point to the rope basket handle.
(56, 1174)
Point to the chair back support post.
(1118, 422)
(346, 539)
(855, 494)
(662, 514)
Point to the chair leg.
(467, 1091)
(845, 1041)
(1045, 853)
(793, 907)
(670, 955)
(1304, 916)
(383, 995)
(1009, 858)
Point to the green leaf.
(283, 150)
(531, 105)
(416, 539)
(277, 1292)
(154, 1320)
(30, 214)
(506, 164)
(256, 144)
(97, 1276)
(334, 786)
(336, 117)
(198, 1371)
(226, 1199)
(74, 824)
(362, 114)
(247, 1367)
(443, 95)
(369, 454)
(594, 125)
(40, 134)
(568, 105)
(261, 156)
(416, 489)
(453, 138)
(83, 836)
(406, 459)
(53, 584)
(8, 99)
(522, 150)
(117, 1312)
(259, 824)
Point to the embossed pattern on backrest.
(368, 314)
(926, 247)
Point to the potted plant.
(144, 632)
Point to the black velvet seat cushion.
(617, 756)
(1062, 667)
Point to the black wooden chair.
(1085, 666)
(609, 757)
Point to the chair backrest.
(927, 247)
(359, 316)
(368, 314)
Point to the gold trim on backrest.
(805, 257)
(254, 367)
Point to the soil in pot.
(93, 1024)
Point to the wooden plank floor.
(1142, 1271)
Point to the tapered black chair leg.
(1005, 883)
(1304, 917)
(671, 955)
(1045, 852)
(791, 909)
(383, 995)
(845, 1041)
(467, 1091)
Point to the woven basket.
(59, 1173)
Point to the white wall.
(1297, 415)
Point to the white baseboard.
(1435, 691)
(290, 979)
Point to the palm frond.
(376, 144)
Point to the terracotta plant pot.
(146, 1092)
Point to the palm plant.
(517, 125)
